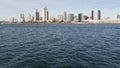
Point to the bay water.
(60, 46)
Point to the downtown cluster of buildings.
(62, 18)
(45, 18)
(31, 18)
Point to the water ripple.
(59, 46)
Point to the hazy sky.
(109, 8)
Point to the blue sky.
(109, 8)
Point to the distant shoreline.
(59, 23)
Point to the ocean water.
(60, 46)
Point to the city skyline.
(13, 8)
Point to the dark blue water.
(60, 46)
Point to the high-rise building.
(80, 17)
(32, 18)
(75, 19)
(99, 14)
(60, 18)
(45, 14)
(11, 19)
(92, 15)
(22, 18)
(118, 16)
(40, 19)
(36, 16)
(70, 17)
(29, 17)
(65, 16)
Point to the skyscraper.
(75, 19)
(99, 14)
(118, 16)
(60, 18)
(22, 18)
(65, 16)
(45, 14)
(29, 17)
(80, 17)
(36, 16)
(92, 15)
(70, 17)
(32, 17)
(11, 19)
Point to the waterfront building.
(36, 16)
(40, 19)
(22, 18)
(52, 19)
(70, 17)
(86, 17)
(80, 17)
(32, 17)
(118, 16)
(11, 19)
(65, 16)
(75, 19)
(60, 18)
(29, 18)
(45, 14)
(92, 15)
(99, 15)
